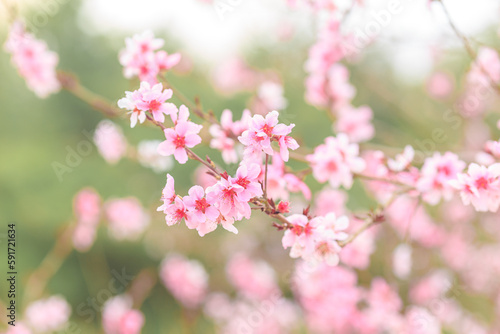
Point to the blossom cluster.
(34, 61)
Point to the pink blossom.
(87, 206)
(383, 297)
(402, 261)
(224, 134)
(202, 213)
(402, 161)
(480, 186)
(35, 63)
(234, 75)
(127, 219)
(129, 102)
(253, 279)
(271, 95)
(186, 280)
(48, 315)
(225, 196)
(330, 200)
(176, 212)
(280, 183)
(140, 59)
(168, 193)
(301, 236)
(355, 123)
(83, 237)
(110, 141)
(436, 173)
(329, 231)
(183, 135)
(430, 288)
(153, 100)
(262, 131)
(118, 316)
(487, 66)
(339, 89)
(336, 161)
(247, 177)
(284, 207)
(440, 85)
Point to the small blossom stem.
(38, 280)
(367, 224)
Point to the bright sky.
(212, 35)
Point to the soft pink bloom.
(118, 316)
(436, 173)
(176, 212)
(356, 254)
(271, 95)
(168, 193)
(402, 261)
(329, 231)
(339, 89)
(247, 177)
(383, 297)
(280, 183)
(329, 297)
(440, 85)
(402, 161)
(186, 280)
(34, 61)
(224, 195)
(330, 200)
(140, 59)
(87, 209)
(430, 288)
(183, 135)
(201, 211)
(110, 141)
(224, 134)
(486, 68)
(284, 207)
(301, 236)
(19, 328)
(48, 315)
(87, 206)
(234, 75)
(420, 321)
(253, 279)
(127, 219)
(153, 100)
(480, 186)
(129, 102)
(355, 123)
(335, 161)
(262, 131)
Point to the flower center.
(202, 205)
(268, 130)
(482, 183)
(154, 105)
(179, 141)
(243, 182)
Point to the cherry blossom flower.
(402, 161)
(436, 173)
(329, 231)
(253, 279)
(129, 102)
(480, 186)
(202, 213)
(440, 85)
(234, 75)
(127, 219)
(335, 161)
(110, 141)
(186, 280)
(355, 123)
(175, 212)
(261, 132)
(246, 177)
(48, 315)
(87, 209)
(139, 57)
(224, 134)
(301, 236)
(153, 100)
(34, 61)
(168, 193)
(271, 95)
(118, 316)
(183, 135)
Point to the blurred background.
(391, 75)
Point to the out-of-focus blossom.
(440, 85)
(271, 95)
(480, 186)
(430, 288)
(48, 315)
(402, 261)
(34, 61)
(186, 280)
(330, 200)
(402, 161)
(87, 209)
(127, 219)
(110, 141)
(224, 135)
(355, 123)
(19, 328)
(118, 316)
(148, 156)
(253, 279)
(233, 76)
(140, 59)
(335, 161)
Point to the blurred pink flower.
(110, 141)
(118, 316)
(440, 85)
(48, 315)
(127, 219)
(355, 123)
(186, 279)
